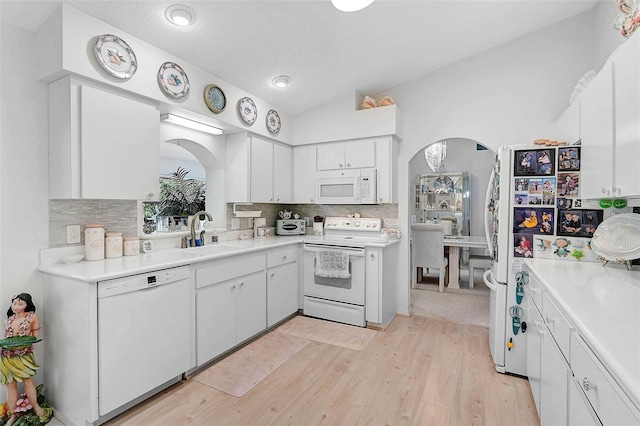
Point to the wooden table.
(455, 243)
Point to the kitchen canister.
(113, 244)
(131, 246)
(94, 242)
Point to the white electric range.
(334, 269)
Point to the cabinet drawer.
(535, 291)
(558, 325)
(607, 399)
(223, 271)
(282, 255)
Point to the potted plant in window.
(181, 196)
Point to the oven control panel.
(353, 223)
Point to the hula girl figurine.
(17, 361)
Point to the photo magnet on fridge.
(569, 159)
(533, 220)
(535, 162)
(578, 223)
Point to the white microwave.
(356, 186)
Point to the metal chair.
(427, 251)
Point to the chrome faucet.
(193, 229)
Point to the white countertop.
(604, 305)
(100, 270)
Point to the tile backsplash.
(114, 215)
(121, 215)
(387, 212)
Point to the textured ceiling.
(327, 53)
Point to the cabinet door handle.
(233, 287)
(587, 385)
(150, 195)
(242, 284)
(273, 274)
(540, 331)
(340, 165)
(348, 165)
(550, 320)
(284, 257)
(372, 256)
(605, 190)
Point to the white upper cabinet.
(304, 174)
(626, 67)
(282, 173)
(356, 154)
(101, 145)
(596, 130)
(261, 171)
(567, 127)
(610, 127)
(258, 171)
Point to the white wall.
(508, 95)
(23, 172)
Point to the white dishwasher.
(143, 334)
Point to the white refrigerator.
(507, 348)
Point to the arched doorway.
(462, 155)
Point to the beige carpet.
(462, 306)
(238, 373)
(333, 333)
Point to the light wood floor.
(420, 371)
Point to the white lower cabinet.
(569, 384)
(609, 402)
(580, 412)
(231, 300)
(535, 332)
(554, 374)
(282, 284)
(380, 284)
(547, 369)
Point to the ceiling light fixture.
(351, 5)
(180, 15)
(281, 81)
(190, 124)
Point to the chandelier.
(435, 155)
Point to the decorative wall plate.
(115, 56)
(273, 122)
(215, 98)
(247, 110)
(173, 80)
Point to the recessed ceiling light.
(281, 81)
(180, 15)
(351, 5)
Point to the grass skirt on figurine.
(17, 365)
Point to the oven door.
(347, 290)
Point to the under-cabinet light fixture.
(180, 15)
(351, 5)
(191, 124)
